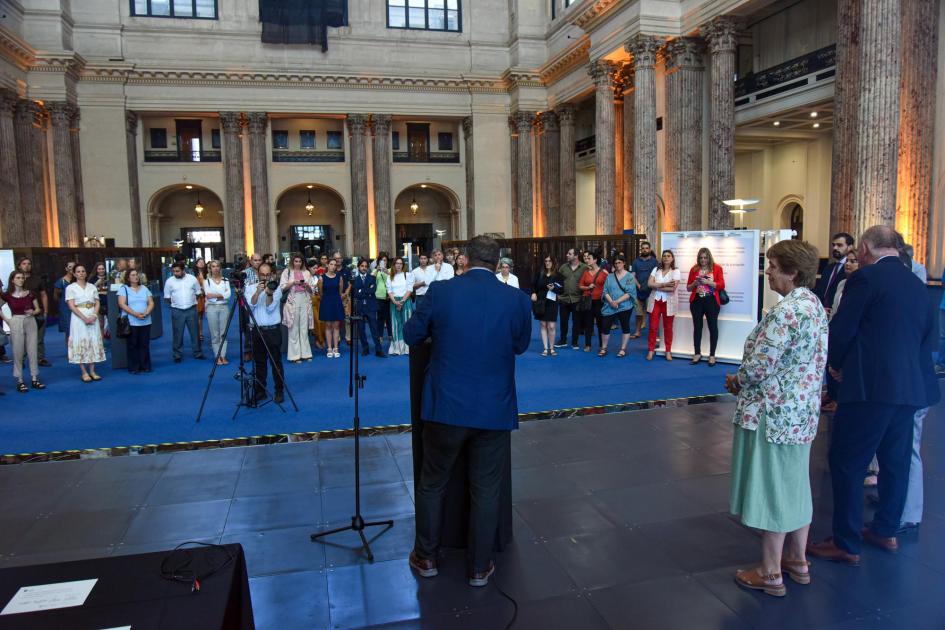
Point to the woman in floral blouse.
(778, 389)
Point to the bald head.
(877, 242)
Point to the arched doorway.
(310, 219)
(422, 212)
(792, 218)
(189, 217)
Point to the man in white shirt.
(440, 270)
(420, 279)
(265, 305)
(180, 292)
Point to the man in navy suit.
(364, 303)
(840, 245)
(477, 325)
(880, 351)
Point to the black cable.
(495, 581)
(181, 571)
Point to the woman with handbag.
(86, 347)
(136, 303)
(218, 291)
(200, 272)
(619, 300)
(548, 286)
(298, 285)
(662, 282)
(705, 284)
(23, 306)
(592, 286)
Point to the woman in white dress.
(505, 273)
(399, 287)
(85, 337)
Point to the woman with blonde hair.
(399, 288)
(200, 272)
(217, 290)
(298, 284)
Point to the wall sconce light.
(309, 206)
(198, 207)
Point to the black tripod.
(249, 384)
(355, 385)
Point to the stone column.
(60, 114)
(550, 173)
(628, 122)
(258, 122)
(567, 191)
(359, 194)
(10, 211)
(29, 150)
(77, 170)
(235, 213)
(513, 162)
(470, 178)
(523, 122)
(877, 120)
(721, 34)
(383, 206)
(134, 194)
(619, 157)
(683, 162)
(602, 72)
(917, 118)
(845, 100)
(643, 48)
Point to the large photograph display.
(737, 253)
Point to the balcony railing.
(307, 155)
(812, 68)
(432, 157)
(172, 155)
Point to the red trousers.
(659, 309)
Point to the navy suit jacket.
(363, 293)
(824, 289)
(882, 338)
(477, 325)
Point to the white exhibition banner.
(736, 251)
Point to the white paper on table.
(49, 596)
(118, 628)
(551, 295)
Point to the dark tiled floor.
(620, 522)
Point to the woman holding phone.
(704, 283)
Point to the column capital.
(513, 128)
(60, 113)
(75, 115)
(131, 122)
(644, 49)
(602, 73)
(356, 124)
(626, 77)
(257, 122)
(721, 33)
(29, 113)
(549, 120)
(565, 113)
(8, 101)
(524, 122)
(685, 52)
(380, 124)
(231, 122)
(467, 126)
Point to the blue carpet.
(125, 410)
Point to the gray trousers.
(23, 333)
(912, 512)
(181, 318)
(216, 320)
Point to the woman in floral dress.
(778, 389)
(85, 337)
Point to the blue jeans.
(180, 318)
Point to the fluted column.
(359, 199)
(10, 213)
(60, 114)
(77, 171)
(550, 174)
(683, 162)
(619, 156)
(628, 122)
(257, 124)
(469, 150)
(567, 191)
(383, 213)
(721, 35)
(513, 162)
(134, 194)
(235, 214)
(602, 72)
(29, 152)
(846, 99)
(917, 117)
(643, 48)
(523, 123)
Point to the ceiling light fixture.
(309, 206)
(777, 123)
(813, 114)
(816, 125)
(189, 187)
(414, 207)
(198, 207)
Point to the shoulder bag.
(584, 304)
(123, 326)
(723, 297)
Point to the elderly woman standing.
(778, 389)
(297, 315)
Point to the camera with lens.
(272, 285)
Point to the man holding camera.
(364, 288)
(265, 304)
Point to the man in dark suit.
(364, 304)
(477, 325)
(826, 287)
(880, 351)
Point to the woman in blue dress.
(331, 311)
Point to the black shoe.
(380, 354)
(177, 359)
(907, 528)
(199, 357)
(6, 359)
(134, 371)
(482, 578)
(365, 352)
(260, 397)
(44, 363)
(22, 388)
(279, 397)
(37, 385)
(560, 344)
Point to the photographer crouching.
(265, 305)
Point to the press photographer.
(266, 335)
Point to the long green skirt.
(770, 482)
(397, 320)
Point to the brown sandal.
(750, 578)
(790, 567)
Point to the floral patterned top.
(782, 370)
